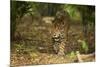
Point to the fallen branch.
(82, 57)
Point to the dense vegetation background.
(31, 38)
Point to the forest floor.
(45, 58)
(21, 57)
(40, 58)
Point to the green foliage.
(77, 12)
(72, 10)
(19, 48)
(84, 45)
(72, 54)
